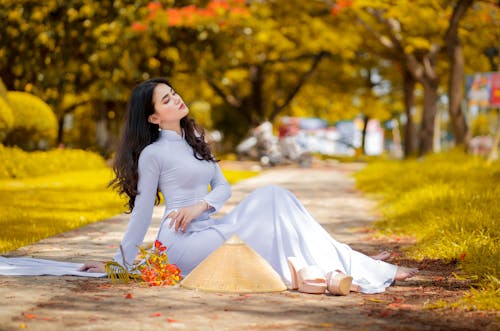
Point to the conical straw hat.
(234, 267)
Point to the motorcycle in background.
(269, 150)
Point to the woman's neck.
(176, 128)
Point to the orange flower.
(138, 26)
(154, 6)
(156, 270)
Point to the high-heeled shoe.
(338, 283)
(306, 279)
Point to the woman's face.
(169, 107)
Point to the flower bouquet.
(153, 268)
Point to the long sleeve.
(220, 192)
(140, 219)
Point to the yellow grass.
(450, 203)
(35, 208)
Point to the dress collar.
(171, 135)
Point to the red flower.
(462, 256)
(154, 6)
(138, 26)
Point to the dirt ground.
(327, 190)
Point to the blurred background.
(345, 77)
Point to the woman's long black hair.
(138, 132)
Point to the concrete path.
(73, 303)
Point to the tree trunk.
(363, 133)
(410, 132)
(60, 131)
(257, 79)
(428, 117)
(456, 80)
(101, 127)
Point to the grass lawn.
(450, 203)
(35, 208)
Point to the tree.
(78, 52)
(416, 48)
(257, 58)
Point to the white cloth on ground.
(26, 266)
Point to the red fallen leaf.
(128, 296)
(155, 315)
(400, 305)
(30, 316)
(241, 297)
(385, 313)
(171, 320)
(46, 318)
(397, 300)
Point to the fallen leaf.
(171, 320)
(30, 316)
(128, 296)
(155, 315)
(46, 318)
(378, 300)
(400, 305)
(22, 326)
(384, 313)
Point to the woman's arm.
(213, 201)
(140, 219)
(220, 192)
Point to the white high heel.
(338, 283)
(306, 279)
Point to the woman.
(163, 149)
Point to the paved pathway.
(61, 303)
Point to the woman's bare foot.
(355, 288)
(384, 255)
(403, 273)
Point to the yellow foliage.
(482, 125)
(33, 120)
(17, 163)
(6, 118)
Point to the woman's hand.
(92, 267)
(183, 216)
